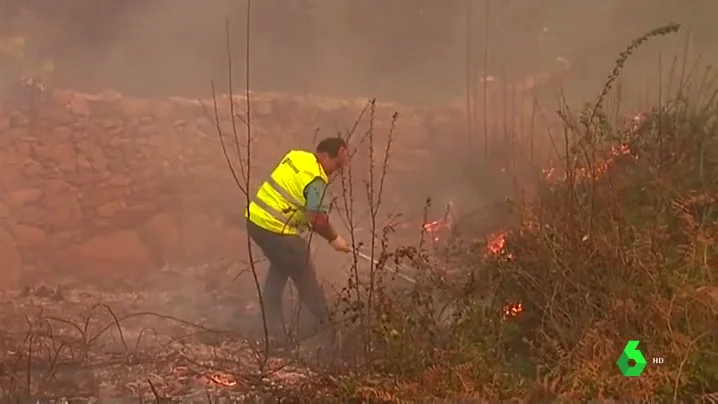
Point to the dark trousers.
(289, 257)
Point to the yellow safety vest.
(280, 202)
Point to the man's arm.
(316, 211)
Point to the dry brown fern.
(710, 398)
(642, 246)
(463, 373)
(374, 395)
(556, 352)
(545, 390)
(433, 377)
(408, 389)
(588, 360)
(709, 296)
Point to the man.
(288, 203)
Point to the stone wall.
(97, 187)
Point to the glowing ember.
(599, 168)
(434, 228)
(497, 244)
(513, 309)
(222, 380)
(217, 378)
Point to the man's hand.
(339, 244)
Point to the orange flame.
(513, 310)
(222, 380)
(218, 378)
(435, 228)
(599, 168)
(496, 247)
(496, 244)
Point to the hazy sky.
(413, 50)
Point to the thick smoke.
(413, 51)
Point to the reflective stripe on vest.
(279, 203)
(288, 215)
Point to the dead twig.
(158, 398)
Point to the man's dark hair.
(331, 146)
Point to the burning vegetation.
(601, 256)
(496, 243)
